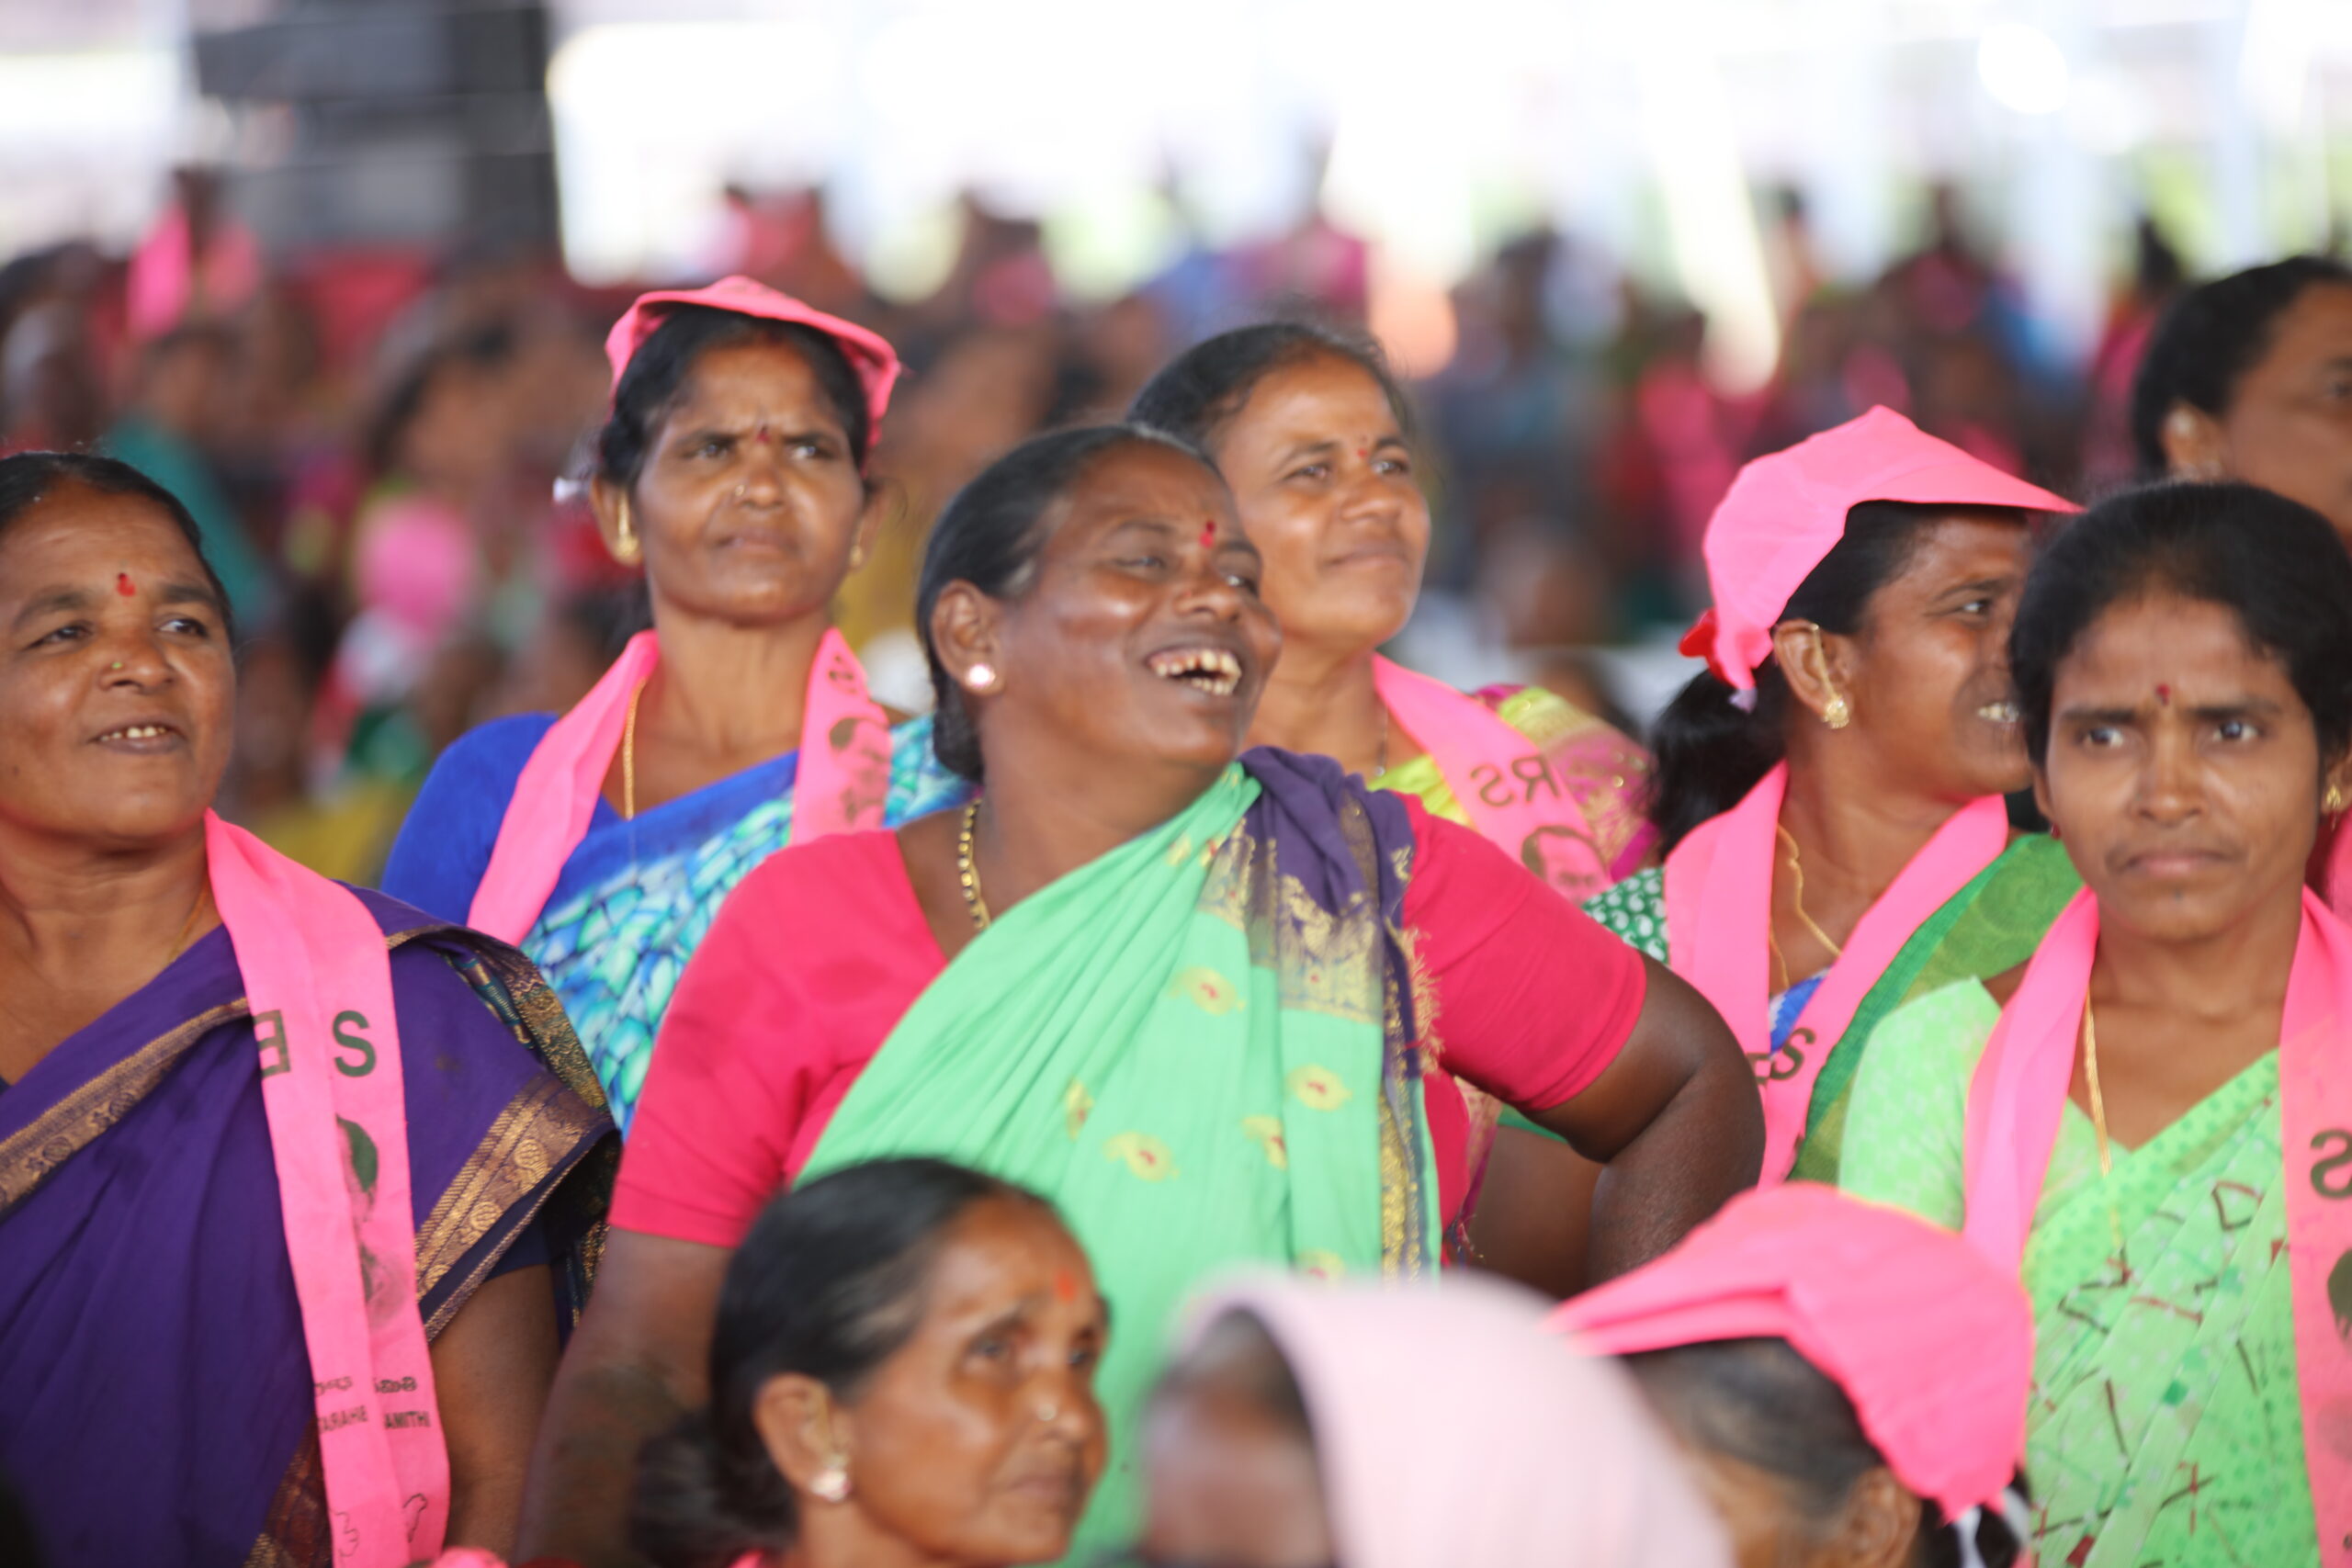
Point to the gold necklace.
(1796, 897)
(179, 942)
(967, 872)
(2090, 1081)
(628, 756)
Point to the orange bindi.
(1064, 1286)
(122, 584)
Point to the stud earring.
(2335, 800)
(980, 677)
(626, 547)
(858, 555)
(1837, 713)
(831, 1482)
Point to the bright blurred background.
(338, 271)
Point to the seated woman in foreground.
(1850, 1382)
(298, 1186)
(1170, 992)
(1411, 1428)
(902, 1370)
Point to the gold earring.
(2335, 800)
(1837, 713)
(626, 547)
(858, 555)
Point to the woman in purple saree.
(156, 1401)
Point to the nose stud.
(1049, 1412)
(116, 665)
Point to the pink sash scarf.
(2019, 1093)
(319, 982)
(835, 788)
(1719, 911)
(1507, 785)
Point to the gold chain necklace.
(967, 872)
(628, 756)
(2099, 1121)
(1796, 897)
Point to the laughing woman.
(602, 842)
(2149, 1118)
(244, 1291)
(1169, 991)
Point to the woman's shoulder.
(445, 842)
(833, 890)
(1939, 1034)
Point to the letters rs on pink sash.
(843, 778)
(1482, 760)
(2019, 1094)
(1719, 914)
(319, 982)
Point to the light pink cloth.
(842, 782)
(2019, 1093)
(318, 981)
(1719, 909)
(1452, 1430)
(1787, 510)
(873, 359)
(1934, 1348)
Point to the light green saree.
(2165, 1426)
(1199, 1047)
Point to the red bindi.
(1064, 1286)
(1208, 533)
(122, 584)
(1361, 453)
(2163, 695)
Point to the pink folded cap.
(1787, 510)
(874, 360)
(1933, 1344)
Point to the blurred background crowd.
(338, 273)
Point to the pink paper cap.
(875, 362)
(1787, 510)
(1932, 1342)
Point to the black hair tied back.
(1711, 752)
(828, 1285)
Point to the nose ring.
(739, 489)
(116, 665)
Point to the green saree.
(1199, 1047)
(2165, 1426)
(1990, 926)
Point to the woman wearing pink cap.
(602, 842)
(2152, 1120)
(1835, 776)
(1849, 1383)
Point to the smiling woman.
(1167, 988)
(176, 994)
(2159, 1095)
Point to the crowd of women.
(1154, 1106)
